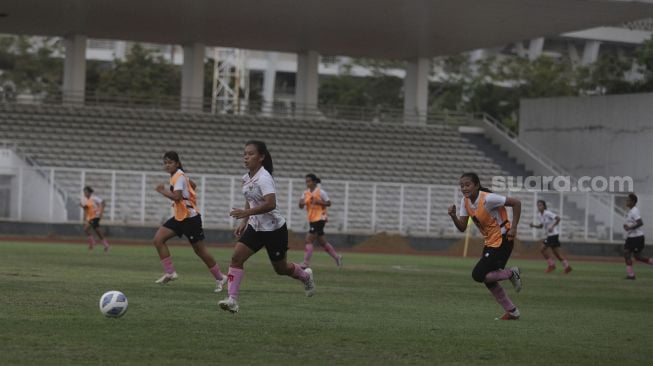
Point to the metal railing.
(358, 207)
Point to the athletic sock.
(235, 276)
(167, 265)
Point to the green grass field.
(379, 309)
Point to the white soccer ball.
(113, 304)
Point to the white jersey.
(182, 185)
(254, 188)
(492, 202)
(547, 219)
(631, 219)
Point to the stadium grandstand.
(412, 159)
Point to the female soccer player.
(316, 201)
(262, 226)
(549, 221)
(634, 237)
(186, 221)
(488, 211)
(93, 209)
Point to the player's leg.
(89, 236)
(95, 225)
(630, 272)
(248, 244)
(308, 248)
(160, 238)
(277, 246)
(486, 265)
(638, 248)
(321, 238)
(565, 262)
(551, 265)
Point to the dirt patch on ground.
(385, 243)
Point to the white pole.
(562, 202)
(289, 217)
(456, 202)
(20, 192)
(587, 212)
(113, 195)
(232, 199)
(612, 218)
(51, 203)
(535, 198)
(346, 213)
(374, 207)
(203, 198)
(143, 180)
(428, 209)
(401, 208)
(83, 182)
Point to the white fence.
(358, 207)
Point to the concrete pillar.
(591, 52)
(535, 48)
(416, 90)
(306, 82)
(74, 70)
(192, 78)
(120, 49)
(269, 79)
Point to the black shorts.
(552, 241)
(635, 245)
(191, 227)
(317, 227)
(492, 259)
(95, 223)
(275, 242)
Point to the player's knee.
(237, 261)
(478, 276)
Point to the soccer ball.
(113, 304)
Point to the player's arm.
(322, 202)
(102, 206)
(269, 204)
(537, 226)
(302, 204)
(460, 222)
(173, 196)
(637, 224)
(516, 215)
(243, 223)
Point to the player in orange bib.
(316, 201)
(93, 209)
(186, 221)
(488, 211)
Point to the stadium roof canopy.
(394, 29)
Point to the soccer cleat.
(229, 304)
(629, 278)
(219, 284)
(550, 269)
(309, 286)
(167, 277)
(516, 278)
(510, 315)
(567, 270)
(339, 262)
